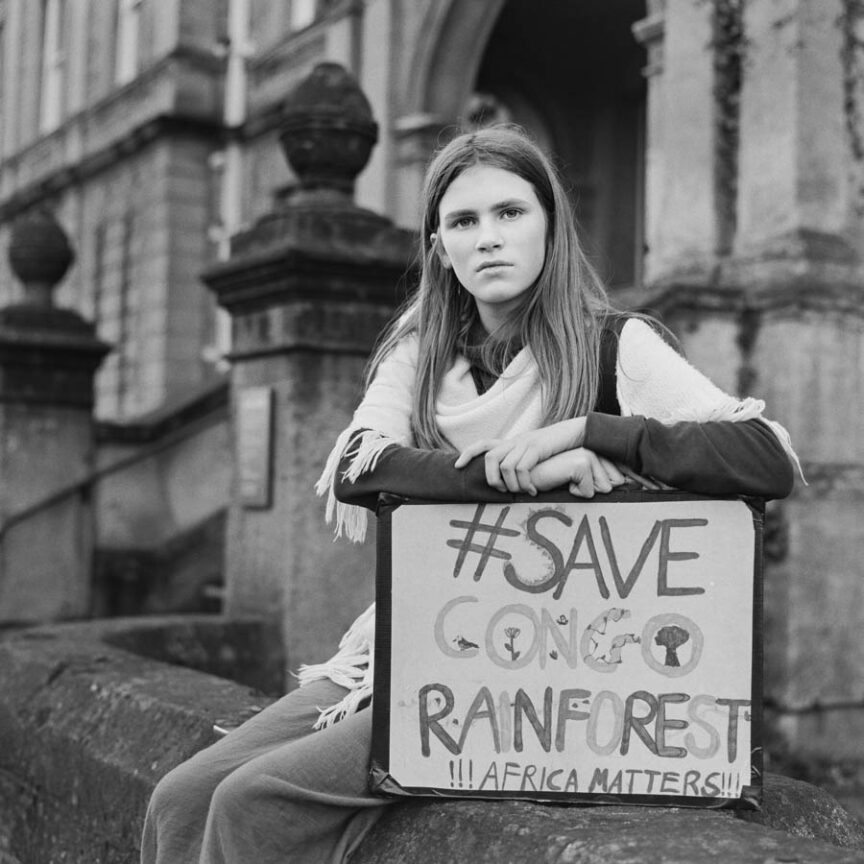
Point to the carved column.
(309, 288)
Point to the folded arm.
(414, 473)
(714, 458)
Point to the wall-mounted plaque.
(254, 435)
(560, 649)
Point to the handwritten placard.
(563, 649)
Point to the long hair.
(559, 319)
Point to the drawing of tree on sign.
(511, 633)
(671, 638)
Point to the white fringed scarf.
(652, 380)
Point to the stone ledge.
(516, 832)
(86, 730)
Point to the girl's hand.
(509, 461)
(583, 470)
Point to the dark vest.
(607, 399)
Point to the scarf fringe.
(352, 667)
(738, 410)
(352, 521)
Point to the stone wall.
(87, 727)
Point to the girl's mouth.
(488, 265)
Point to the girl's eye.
(511, 213)
(463, 222)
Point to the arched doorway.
(572, 74)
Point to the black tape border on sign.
(380, 781)
(751, 796)
(379, 778)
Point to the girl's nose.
(488, 237)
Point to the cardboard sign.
(555, 649)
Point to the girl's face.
(492, 230)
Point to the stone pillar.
(681, 225)
(308, 287)
(693, 72)
(799, 259)
(417, 137)
(650, 33)
(48, 357)
(794, 198)
(757, 261)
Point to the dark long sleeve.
(713, 458)
(416, 473)
(710, 458)
(719, 458)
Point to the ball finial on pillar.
(327, 131)
(39, 254)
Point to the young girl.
(507, 373)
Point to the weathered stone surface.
(86, 730)
(792, 101)
(515, 832)
(804, 810)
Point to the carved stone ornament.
(39, 254)
(327, 131)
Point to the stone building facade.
(150, 129)
(714, 149)
(111, 112)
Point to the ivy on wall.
(851, 23)
(729, 49)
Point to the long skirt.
(272, 791)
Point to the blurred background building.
(715, 155)
(151, 131)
